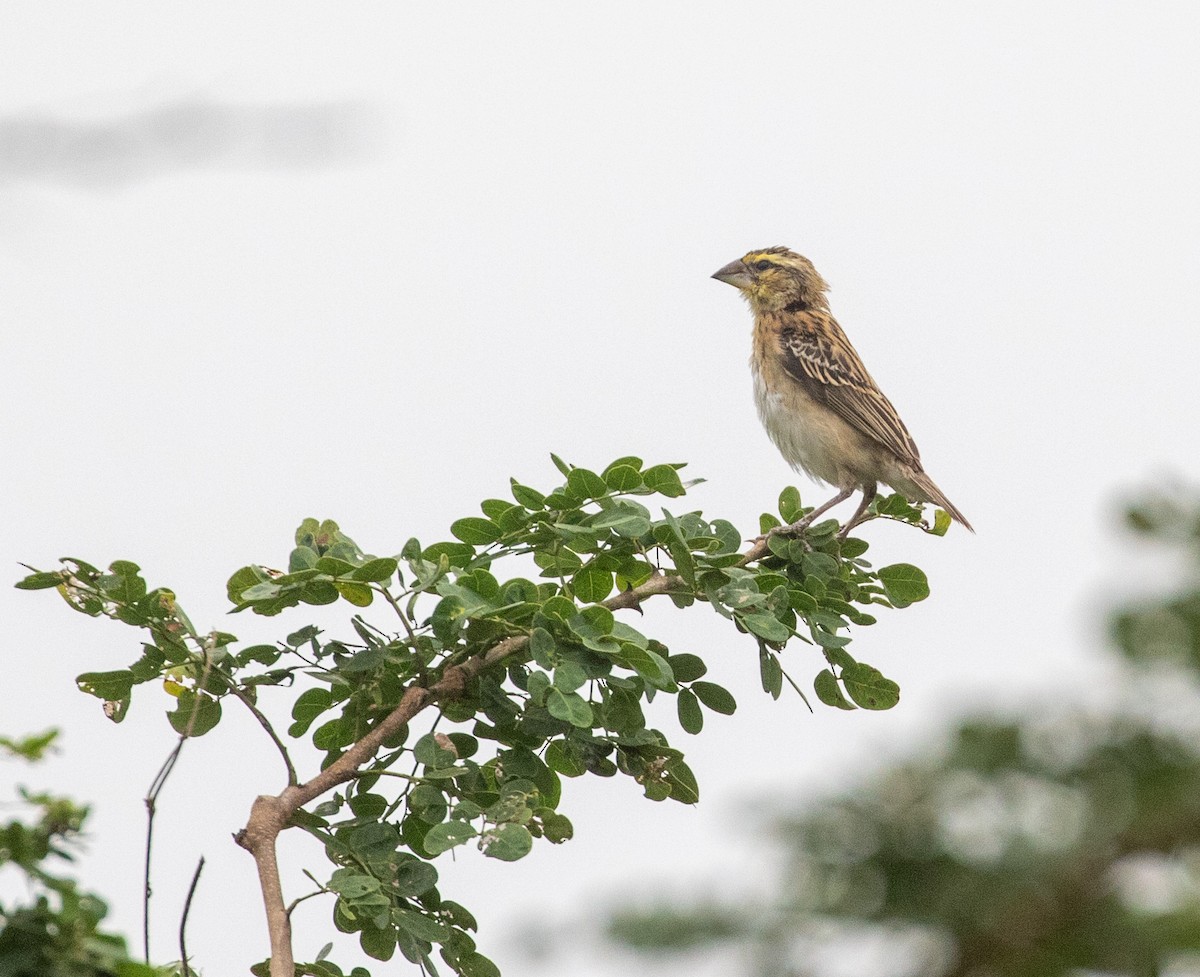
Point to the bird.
(818, 403)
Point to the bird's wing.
(817, 354)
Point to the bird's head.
(773, 278)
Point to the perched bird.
(815, 398)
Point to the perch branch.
(270, 814)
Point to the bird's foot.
(794, 529)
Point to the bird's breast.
(810, 437)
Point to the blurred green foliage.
(1063, 844)
(55, 931)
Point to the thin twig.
(187, 908)
(266, 725)
(399, 613)
(312, 895)
(151, 801)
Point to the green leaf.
(427, 803)
(559, 608)
(771, 673)
(260, 591)
(622, 478)
(715, 697)
(904, 584)
(569, 676)
(561, 465)
(592, 584)
(854, 547)
(828, 640)
(650, 666)
(623, 519)
(586, 484)
(379, 944)
(465, 744)
(664, 480)
(941, 522)
(334, 566)
(820, 564)
(449, 834)
(529, 498)
(570, 707)
(107, 685)
(557, 827)
(307, 707)
(623, 712)
(195, 713)
(432, 754)
(867, 687)
(477, 965)
(368, 805)
(687, 667)
(447, 617)
(537, 686)
(353, 885)
(358, 594)
(40, 581)
(302, 558)
(766, 626)
(334, 734)
(840, 657)
(475, 530)
(829, 691)
(563, 756)
(376, 571)
(419, 925)
(542, 647)
(372, 841)
(593, 626)
(456, 554)
(690, 716)
(507, 842)
(683, 782)
(789, 505)
(458, 915)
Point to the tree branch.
(269, 814)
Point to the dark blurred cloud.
(184, 135)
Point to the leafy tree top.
(508, 638)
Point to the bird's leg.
(802, 524)
(868, 495)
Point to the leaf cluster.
(514, 622)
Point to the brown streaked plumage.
(816, 399)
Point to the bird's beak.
(736, 274)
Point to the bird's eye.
(762, 265)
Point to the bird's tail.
(937, 496)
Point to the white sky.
(495, 244)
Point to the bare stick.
(187, 908)
(160, 781)
(266, 724)
(151, 801)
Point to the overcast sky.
(367, 261)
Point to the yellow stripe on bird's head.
(773, 278)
